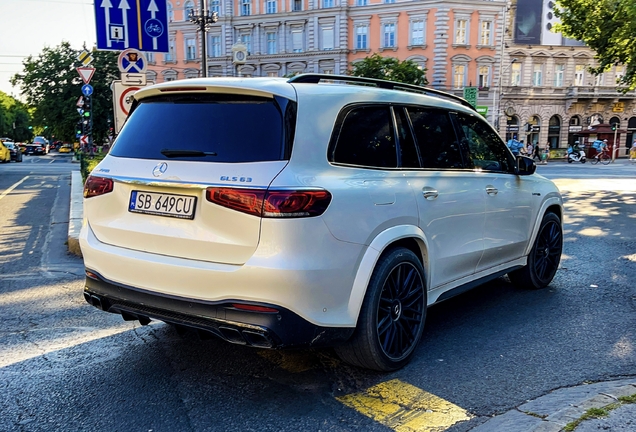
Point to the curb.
(553, 411)
(76, 213)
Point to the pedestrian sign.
(140, 24)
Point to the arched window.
(170, 12)
(188, 9)
(575, 121)
(554, 131)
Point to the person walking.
(530, 150)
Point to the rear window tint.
(234, 128)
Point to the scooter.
(576, 156)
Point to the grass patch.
(595, 413)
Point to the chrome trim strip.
(194, 185)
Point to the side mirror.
(525, 165)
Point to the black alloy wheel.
(400, 311)
(392, 316)
(545, 256)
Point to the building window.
(327, 38)
(215, 6)
(559, 71)
(459, 76)
(362, 32)
(417, 33)
(169, 56)
(191, 49)
(484, 77)
(327, 71)
(362, 2)
(619, 73)
(297, 5)
(246, 39)
(389, 1)
(327, 3)
(150, 56)
(246, 7)
(297, 40)
(215, 46)
(188, 9)
(579, 75)
(388, 35)
(272, 74)
(598, 80)
(460, 32)
(537, 75)
(486, 32)
(515, 74)
(271, 43)
(271, 7)
(170, 12)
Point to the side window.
(486, 150)
(436, 138)
(367, 138)
(407, 152)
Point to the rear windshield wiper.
(185, 153)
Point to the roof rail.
(315, 78)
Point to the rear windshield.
(228, 128)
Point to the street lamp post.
(204, 21)
(496, 102)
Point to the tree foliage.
(389, 68)
(14, 119)
(50, 84)
(606, 26)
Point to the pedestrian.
(537, 152)
(515, 146)
(530, 150)
(632, 152)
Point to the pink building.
(458, 42)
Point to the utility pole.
(204, 21)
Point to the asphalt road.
(64, 365)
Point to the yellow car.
(66, 148)
(5, 156)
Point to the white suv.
(316, 210)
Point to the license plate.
(161, 204)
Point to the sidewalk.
(553, 411)
(548, 413)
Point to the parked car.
(34, 149)
(5, 155)
(65, 148)
(43, 142)
(310, 211)
(14, 150)
(22, 147)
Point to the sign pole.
(614, 148)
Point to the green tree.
(14, 119)
(606, 26)
(389, 68)
(50, 83)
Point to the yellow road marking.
(405, 408)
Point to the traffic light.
(613, 127)
(79, 128)
(87, 107)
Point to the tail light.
(96, 186)
(272, 203)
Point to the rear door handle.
(429, 193)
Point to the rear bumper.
(279, 329)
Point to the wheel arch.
(407, 236)
(554, 204)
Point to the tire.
(582, 160)
(594, 160)
(544, 258)
(569, 160)
(392, 315)
(605, 159)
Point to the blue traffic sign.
(87, 89)
(139, 24)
